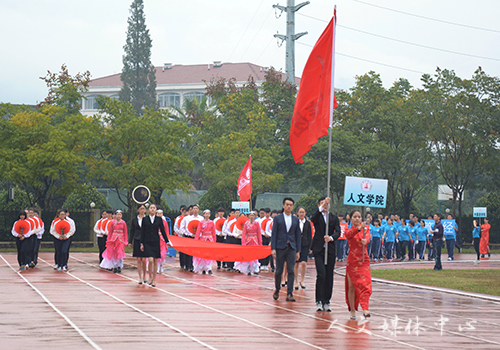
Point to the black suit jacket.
(318, 242)
(135, 230)
(280, 237)
(150, 230)
(306, 235)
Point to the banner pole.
(328, 189)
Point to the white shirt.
(139, 220)
(288, 221)
(320, 208)
(151, 218)
(301, 224)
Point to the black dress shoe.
(296, 287)
(276, 294)
(290, 297)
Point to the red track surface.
(102, 310)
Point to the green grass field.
(475, 280)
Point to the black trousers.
(438, 245)
(231, 240)
(324, 277)
(188, 259)
(36, 247)
(62, 251)
(265, 261)
(101, 243)
(288, 255)
(220, 239)
(476, 247)
(24, 248)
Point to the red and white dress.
(251, 236)
(163, 244)
(357, 269)
(204, 232)
(115, 245)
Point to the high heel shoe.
(302, 285)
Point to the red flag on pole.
(245, 182)
(316, 101)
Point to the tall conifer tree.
(138, 74)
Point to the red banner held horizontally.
(219, 251)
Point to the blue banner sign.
(365, 192)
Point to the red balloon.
(62, 227)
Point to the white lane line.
(66, 318)
(221, 312)
(137, 309)
(263, 303)
(383, 315)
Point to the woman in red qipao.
(484, 243)
(112, 257)
(204, 232)
(358, 279)
(251, 236)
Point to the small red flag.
(315, 102)
(245, 182)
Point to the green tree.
(82, 196)
(19, 203)
(133, 151)
(138, 73)
(66, 90)
(41, 151)
(461, 114)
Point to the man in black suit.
(324, 277)
(285, 246)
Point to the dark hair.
(109, 211)
(182, 207)
(103, 211)
(140, 205)
(301, 207)
(411, 223)
(275, 211)
(439, 215)
(232, 210)
(22, 212)
(195, 205)
(288, 199)
(321, 199)
(221, 210)
(262, 209)
(59, 212)
(376, 220)
(36, 211)
(352, 212)
(65, 210)
(267, 210)
(190, 207)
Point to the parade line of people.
(293, 238)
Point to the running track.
(88, 308)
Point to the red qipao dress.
(485, 239)
(204, 232)
(113, 256)
(251, 236)
(357, 270)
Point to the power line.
(406, 42)
(251, 42)
(265, 48)
(428, 18)
(370, 61)
(258, 8)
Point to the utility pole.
(290, 36)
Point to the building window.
(169, 99)
(192, 95)
(91, 103)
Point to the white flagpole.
(332, 94)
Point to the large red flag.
(245, 182)
(315, 102)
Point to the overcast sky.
(89, 35)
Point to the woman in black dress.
(150, 241)
(306, 239)
(135, 241)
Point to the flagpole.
(332, 95)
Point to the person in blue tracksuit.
(412, 254)
(450, 242)
(422, 239)
(397, 243)
(389, 238)
(476, 238)
(404, 239)
(376, 231)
